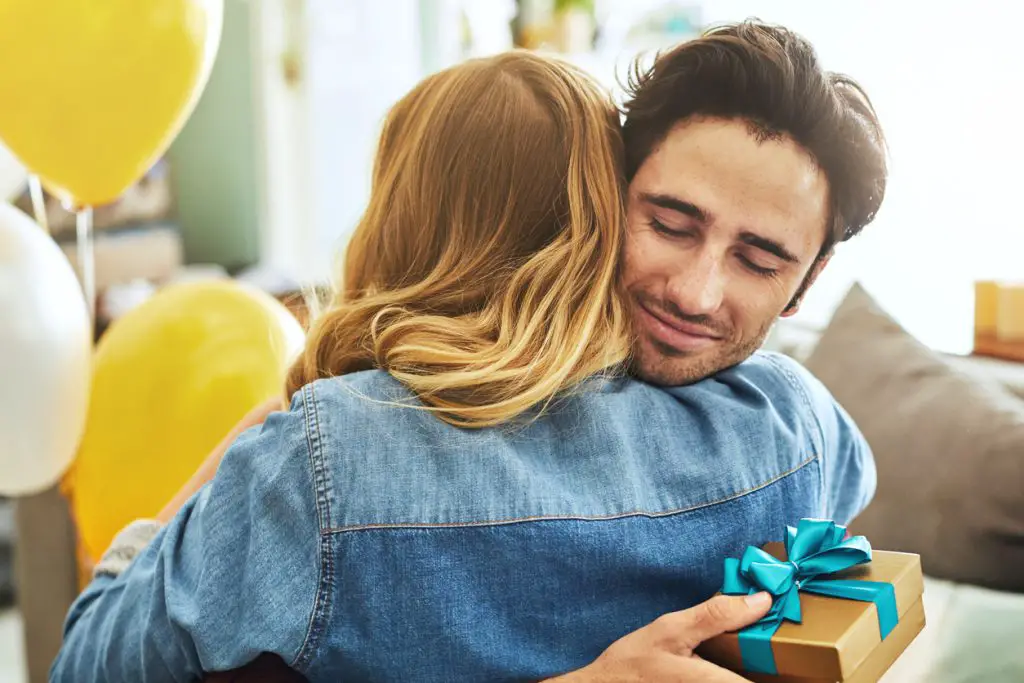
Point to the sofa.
(947, 433)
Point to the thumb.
(718, 615)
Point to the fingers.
(689, 628)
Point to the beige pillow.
(949, 448)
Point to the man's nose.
(699, 287)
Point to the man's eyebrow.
(667, 201)
(769, 245)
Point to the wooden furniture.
(999, 320)
(991, 347)
(47, 576)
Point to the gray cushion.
(949, 447)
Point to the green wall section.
(214, 159)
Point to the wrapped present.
(841, 612)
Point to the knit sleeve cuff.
(128, 543)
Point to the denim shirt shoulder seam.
(795, 382)
(314, 442)
(325, 581)
(582, 518)
(799, 387)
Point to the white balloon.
(45, 357)
(12, 175)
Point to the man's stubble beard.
(662, 366)
(668, 367)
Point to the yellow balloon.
(94, 91)
(171, 378)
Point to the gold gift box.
(839, 640)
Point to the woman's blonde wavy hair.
(483, 272)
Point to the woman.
(426, 508)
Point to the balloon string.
(35, 190)
(86, 261)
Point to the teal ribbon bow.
(815, 548)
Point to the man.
(746, 164)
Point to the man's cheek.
(646, 258)
(631, 262)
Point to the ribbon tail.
(881, 593)
(756, 647)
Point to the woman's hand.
(209, 467)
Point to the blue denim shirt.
(364, 541)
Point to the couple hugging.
(532, 419)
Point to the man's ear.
(812, 275)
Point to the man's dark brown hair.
(769, 77)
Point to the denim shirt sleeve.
(847, 461)
(234, 574)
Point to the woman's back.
(360, 540)
(378, 543)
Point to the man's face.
(722, 230)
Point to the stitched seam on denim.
(577, 518)
(325, 598)
(322, 598)
(323, 500)
(321, 607)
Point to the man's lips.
(677, 334)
